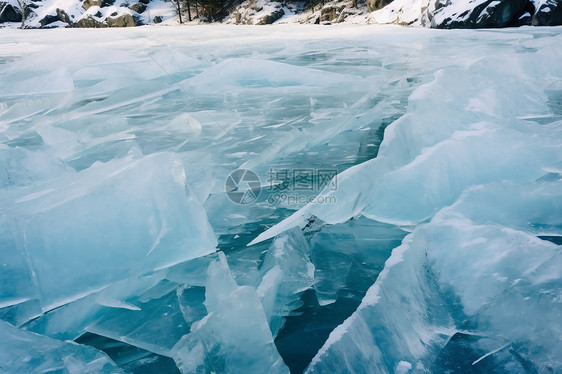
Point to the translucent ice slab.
(84, 231)
(26, 352)
(459, 275)
(285, 273)
(234, 337)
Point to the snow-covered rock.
(401, 12)
(473, 14)
(257, 12)
(88, 13)
(549, 13)
(377, 4)
(450, 14)
(9, 12)
(262, 12)
(443, 14)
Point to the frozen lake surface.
(400, 188)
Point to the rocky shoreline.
(440, 14)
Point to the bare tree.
(24, 7)
(188, 5)
(177, 3)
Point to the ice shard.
(459, 275)
(285, 273)
(126, 310)
(156, 325)
(26, 352)
(348, 257)
(137, 215)
(234, 336)
(484, 131)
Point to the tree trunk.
(23, 7)
(188, 10)
(178, 4)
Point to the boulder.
(272, 17)
(125, 20)
(145, 2)
(373, 5)
(9, 13)
(48, 19)
(64, 17)
(138, 7)
(89, 22)
(157, 19)
(106, 3)
(524, 20)
(90, 3)
(331, 13)
(548, 14)
(473, 14)
(403, 12)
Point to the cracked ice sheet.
(156, 85)
(84, 231)
(111, 108)
(428, 156)
(460, 275)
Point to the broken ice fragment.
(109, 222)
(234, 337)
(156, 326)
(26, 352)
(285, 273)
(457, 275)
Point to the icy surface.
(137, 215)
(39, 354)
(462, 275)
(116, 231)
(430, 156)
